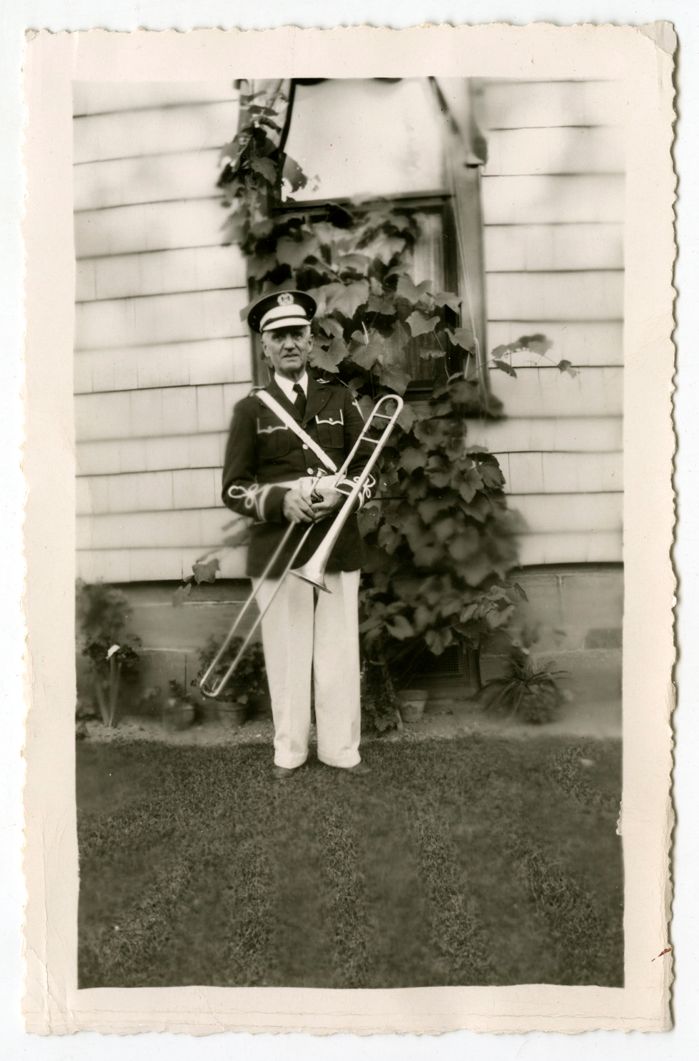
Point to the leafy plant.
(440, 540)
(178, 693)
(110, 649)
(527, 689)
(380, 705)
(248, 681)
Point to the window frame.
(437, 203)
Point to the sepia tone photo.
(409, 780)
(353, 696)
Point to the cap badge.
(285, 299)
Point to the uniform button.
(310, 471)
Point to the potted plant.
(528, 690)
(107, 646)
(246, 685)
(178, 708)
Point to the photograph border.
(645, 58)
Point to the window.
(374, 140)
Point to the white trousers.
(307, 632)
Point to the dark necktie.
(300, 399)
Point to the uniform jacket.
(262, 453)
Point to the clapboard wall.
(161, 354)
(552, 195)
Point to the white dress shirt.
(287, 385)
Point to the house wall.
(161, 353)
(553, 208)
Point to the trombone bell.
(312, 572)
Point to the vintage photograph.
(348, 406)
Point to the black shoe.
(285, 773)
(359, 770)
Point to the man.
(279, 468)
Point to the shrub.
(528, 690)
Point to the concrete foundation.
(572, 616)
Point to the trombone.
(313, 570)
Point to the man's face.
(287, 349)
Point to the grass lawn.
(478, 860)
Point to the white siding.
(553, 203)
(161, 353)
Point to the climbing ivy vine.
(441, 541)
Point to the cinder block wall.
(573, 616)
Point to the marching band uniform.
(305, 632)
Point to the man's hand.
(297, 508)
(326, 498)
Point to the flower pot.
(177, 715)
(232, 714)
(412, 704)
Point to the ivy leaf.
(465, 545)
(438, 640)
(427, 555)
(491, 475)
(538, 343)
(470, 484)
(478, 569)
(366, 405)
(444, 528)
(205, 570)
(423, 616)
(446, 298)
(359, 263)
(234, 229)
(395, 378)
(388, 538)
(567, 366)
(412, 293)
(412, 458)
(294, 252)
(419, 324)
(329, 359)
(407, 417)
(400, 628)
(331, 326)
(385, 247)
(432, 433)
(429, 508)
(462, 337)
(260, 265)
(346, 298)
(504, 366)
(293, 173)
(379, 304)
(266, 168)
(439, 471)
(365, 357)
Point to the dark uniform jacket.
(262, 452)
